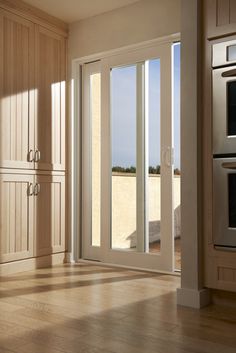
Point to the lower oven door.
(224, 202)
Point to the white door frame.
(88, 250)
(76, 152)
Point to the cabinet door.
(16, 217)
(49, 214)
(50, 100)
(16, 91)
(220, 17)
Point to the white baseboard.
(69, 258)
(193, 298)
(32, 264)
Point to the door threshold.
(90, 260)
(176, 273)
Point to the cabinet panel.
(49, 214)
(220, 17)
(16, 91)
(16, 217)
(50, 100)
(232, 11)
(222, 12)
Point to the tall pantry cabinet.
(32, 135)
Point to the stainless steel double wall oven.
(224, 144)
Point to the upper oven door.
(224, 202)
(224, 53)
(224, 110)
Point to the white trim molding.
(192, 292)
(33, 263)
(193, 298)
(126, 49)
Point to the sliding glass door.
(128, 214)
(91, 161)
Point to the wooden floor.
(92, 309)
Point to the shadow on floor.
(134, 314)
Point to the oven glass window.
(232, 200)
(231, 53)
(231, 108)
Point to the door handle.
(37, 156)
(229, 165)
(37, 189)
(229, 73)
(30, 156)
(30, 190)
(168, 156)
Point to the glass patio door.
(128, 216)
(91, 161)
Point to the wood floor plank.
(96, 309)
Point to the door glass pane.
(232, 200)
(176, 142)
(154, 156)
(95, 109)
(231, 87)
(123, 137)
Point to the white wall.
(142, 21)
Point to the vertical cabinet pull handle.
(37, 156)
(30, 156)
(30, 190)
(36, 189)
(33, 189)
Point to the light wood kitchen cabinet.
(32, 215)
(50, 76)
(32, 95)
(16, 217)
(220, 17)
(16, 91)
(32, 135)
(49, 214)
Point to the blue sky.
(123, 106)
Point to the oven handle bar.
(229, 165)
(229, 73)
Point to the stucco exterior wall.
(124, 210)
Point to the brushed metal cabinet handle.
(30, 156)
(37, 156)
(30, 190)
(37, 189)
